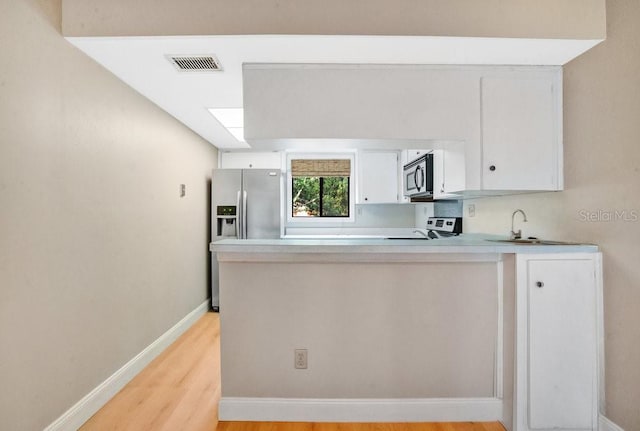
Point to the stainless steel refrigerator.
(245, 204)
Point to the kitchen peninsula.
(458, 329)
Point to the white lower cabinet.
(559, 328)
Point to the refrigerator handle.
(244, 215)
(238, 216)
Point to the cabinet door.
(561, 344)
(250, 160)
(378, 177)
(414, 154)
(521, 132)
(448, 171)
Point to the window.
(320, 188)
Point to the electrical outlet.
(300, 359)
(472, 210)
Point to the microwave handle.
(415, 177)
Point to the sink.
(533, 241)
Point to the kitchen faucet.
(517, 235)
(421, 233)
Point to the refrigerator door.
(226, 188)
(262, 209)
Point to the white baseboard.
(73, 418)
(359, 410)
(605, 424)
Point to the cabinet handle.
(492, 168)
(366, 199)
(539, 284)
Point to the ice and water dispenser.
(227, 221)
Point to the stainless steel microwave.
(418, 177)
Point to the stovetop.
(445, 225)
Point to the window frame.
(291, 220)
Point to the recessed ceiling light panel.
(195, 63)
(237, 132)
(229, 117)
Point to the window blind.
(320, 167)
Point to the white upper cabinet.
(449, 171)
(250, 160)
(499, 127)
(410, 155)
(378, 180)
(521, 131)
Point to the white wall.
(98, 253)
(602, 176)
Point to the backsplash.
(384, 216)
(370, 216)
(447, 208)
(436, 209)
(422, 213)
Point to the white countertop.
(466, 243)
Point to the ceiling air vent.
(195, 63)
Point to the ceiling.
(141, 62)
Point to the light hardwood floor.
(180, 391)
(292, 426)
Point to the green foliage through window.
(320, 197)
